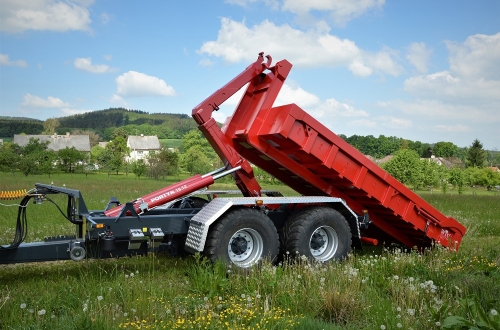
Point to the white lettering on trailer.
(168, 193)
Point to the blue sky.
(423, 70)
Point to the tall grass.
(376, 288)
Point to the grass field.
(377, 288)
(171, 143)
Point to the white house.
(141, 146)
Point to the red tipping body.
(301, 152)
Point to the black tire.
(318, 233)
(243, 237)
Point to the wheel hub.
(239, 245)
(245, 247)
(323, 243)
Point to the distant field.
(377, 288)
(171, 143)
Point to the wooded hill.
(103, 122)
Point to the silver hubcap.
(245, 247)
(323, 243)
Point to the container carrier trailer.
(343, 201)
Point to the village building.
(141, 146)
(57, 142)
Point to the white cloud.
(105, 18)
(418, 55)
(53, 15)
(5, 60)
(118, 100)
(341, 11)
(312, 48)
(70, 112)
(395, 123)
(108, 57)
(476, 58)
(473, 76)
(85, 64)
(206, 62)
(34, 101)
(136, 84)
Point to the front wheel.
(318, 233)
(243, 237)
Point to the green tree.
(457, 179)
(431, 173)
(162, 163)
(405, 166)
(139, 168)
(476, 156)
(195, 161)
(50, 126)
(445, 149)
(69, 158)
(195, 138)
(33, 156)
(95, 152)
(8, 158)
(119, 149)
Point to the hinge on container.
(364, 220)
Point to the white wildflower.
(41, 312)
(23, 306)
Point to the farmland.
(376, 288)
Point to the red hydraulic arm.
(261, 92)
(172, 192)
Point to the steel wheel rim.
(245, 247)
(323, 243)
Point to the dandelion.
(137, 271)
(411, 311)
(220, 298)
(382, 327)
(398, 309)
(131, 274)
(399, 325)
(205, 298)
(438, 324)
(41, 312)
(31, 310)
(23, 306)
(411, 279)
(396, 277)
(494, 312)
(126, 275)
(243, 296)
(258, 296)
(100, 298)
(125, 314)
(299, 276)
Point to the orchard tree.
(431, 173)
(457, 179)
(8, 158)
(476, 156)
(195, 138)
(405, 166)
(139, 168)
(69, 158)
(33, 157)
(445, 149)
(195, 161)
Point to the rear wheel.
(243, 237)
(318, 233)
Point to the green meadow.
(381, 287)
